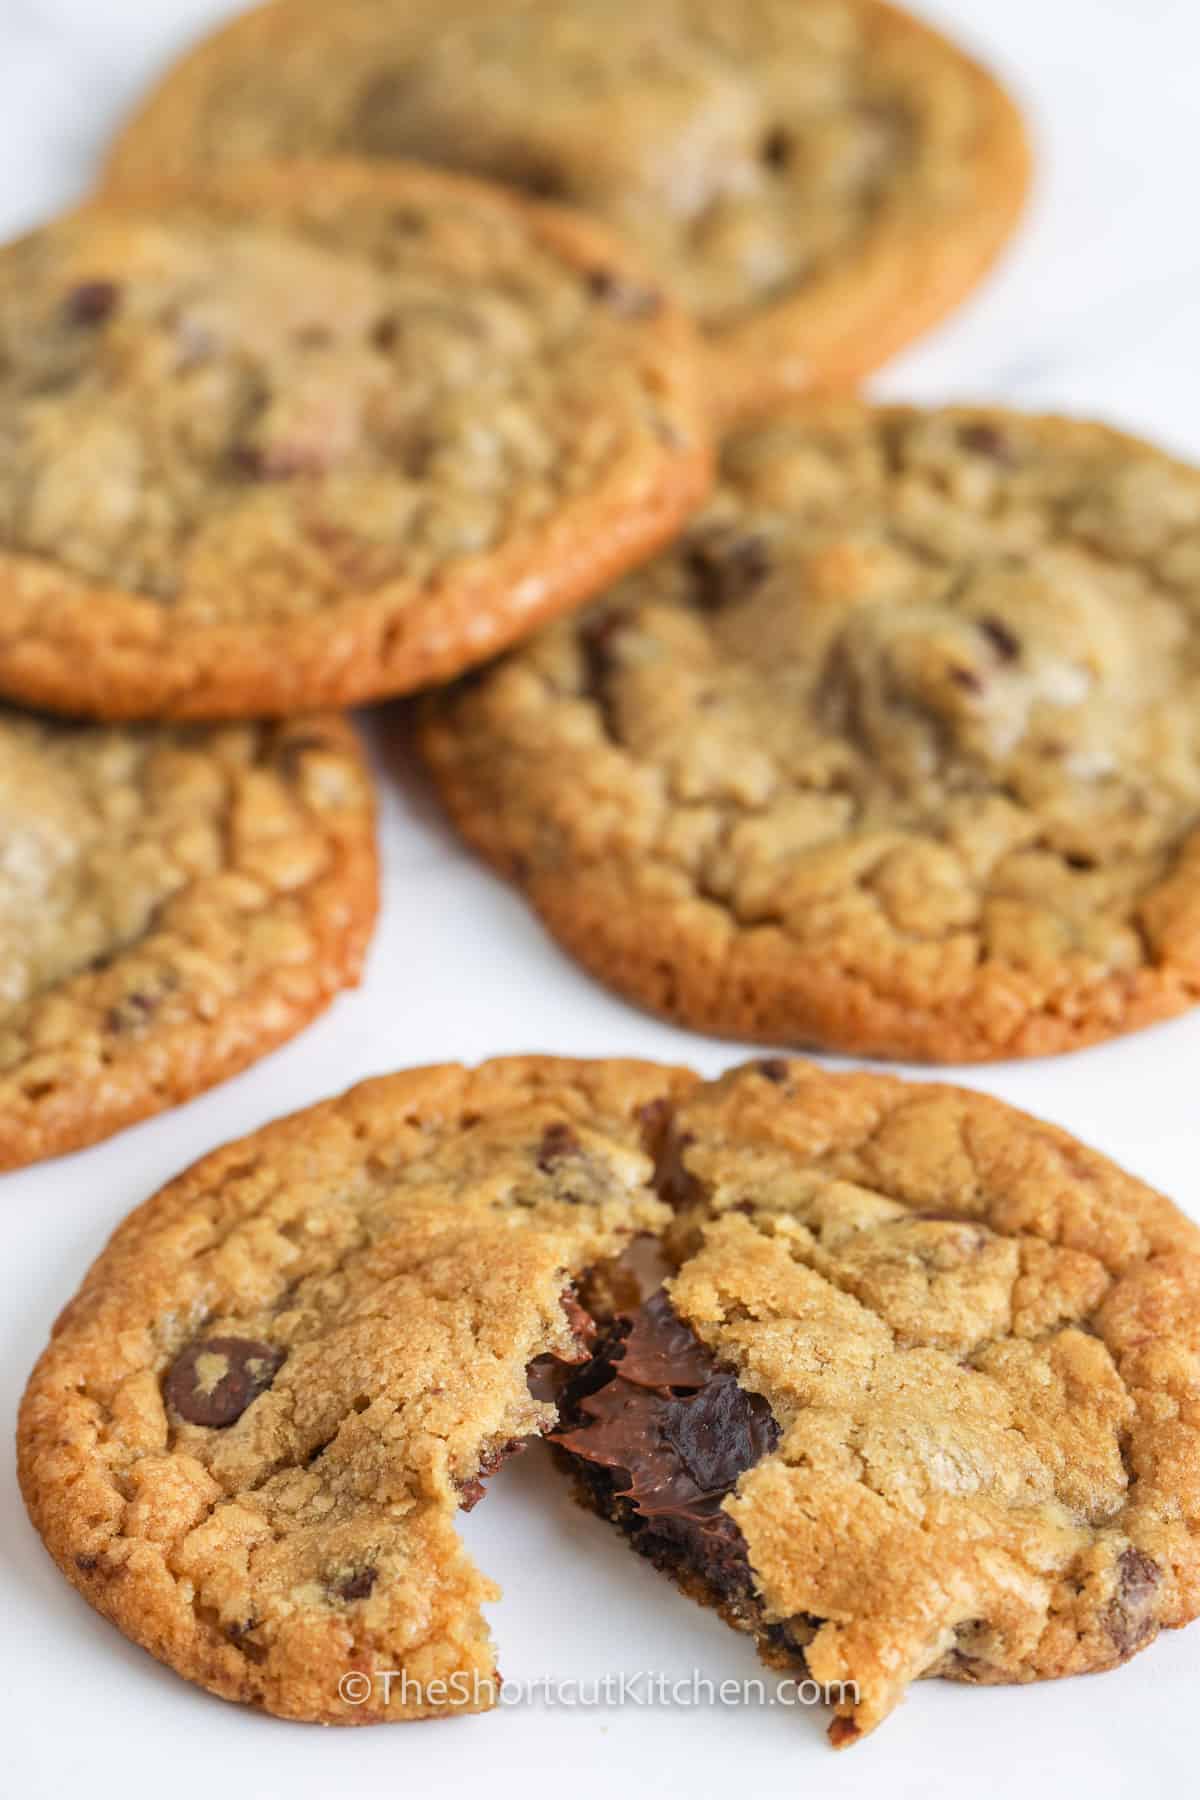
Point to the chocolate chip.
(1084, 864)
(628, 299)
(1004, 642)
(358, 1585)
(967, 679)
(772, 1068)
(216, 1379)
(92, 302)
(87, 1563)
(988, 441)
(597, 639)
(1129, 1616)
(541, 181)
(597, 646)
(132, 1012)
(654, 1119)
(777, 148)
(558, 1141)
(1137, 1575)
(725, 566)
(384, 333)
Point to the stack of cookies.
(404, 346)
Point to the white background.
(1097, 310)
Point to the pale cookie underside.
(175, 903)
(895, 753)
(307, 435)
(817, 184)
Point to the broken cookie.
(908, 1406)
(250, 1436)
(913, 1400)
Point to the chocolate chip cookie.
(918, 1400)
(251, 1433)
(305, 435)
(818, 182)
(914, 1401)
(897, 751)
(174, 902)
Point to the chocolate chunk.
(658, 1350)
(674, 1182)
(658, 1434)
(717, 1433)
(1004, 642)
(678, 1427)
(583, 1326)
(92, 302)
(725, 566)
(772, 1068)
(628, 299)
(558, 1141)
(1129, 1616)
(967, 679)
(471, 1492)
(358, 1585)
(777, 148)
(215, 1379)
(547, 1376)
(988, 441)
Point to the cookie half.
(818, 183)
(914, 1402)
(897, 751)
(299, 435)
(250, 1435)
(174, 902)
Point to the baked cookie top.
(922, 1374)
(896, 751)
(977, 1341)
(300, 435)
(250, 1435)
(174, 902)
(816, 182)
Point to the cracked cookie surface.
(174, 902)
(897, 751)
(817, 182)
(919, 1398)
(980, 1345)
(305, 435)
(253, 1428)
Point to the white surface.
(1097, 311)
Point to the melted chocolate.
(658, 1434)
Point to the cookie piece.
(818, 183)
(174, 902)
(309, 435)
(920, 1398)
(249, 1437)
(897, 751)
